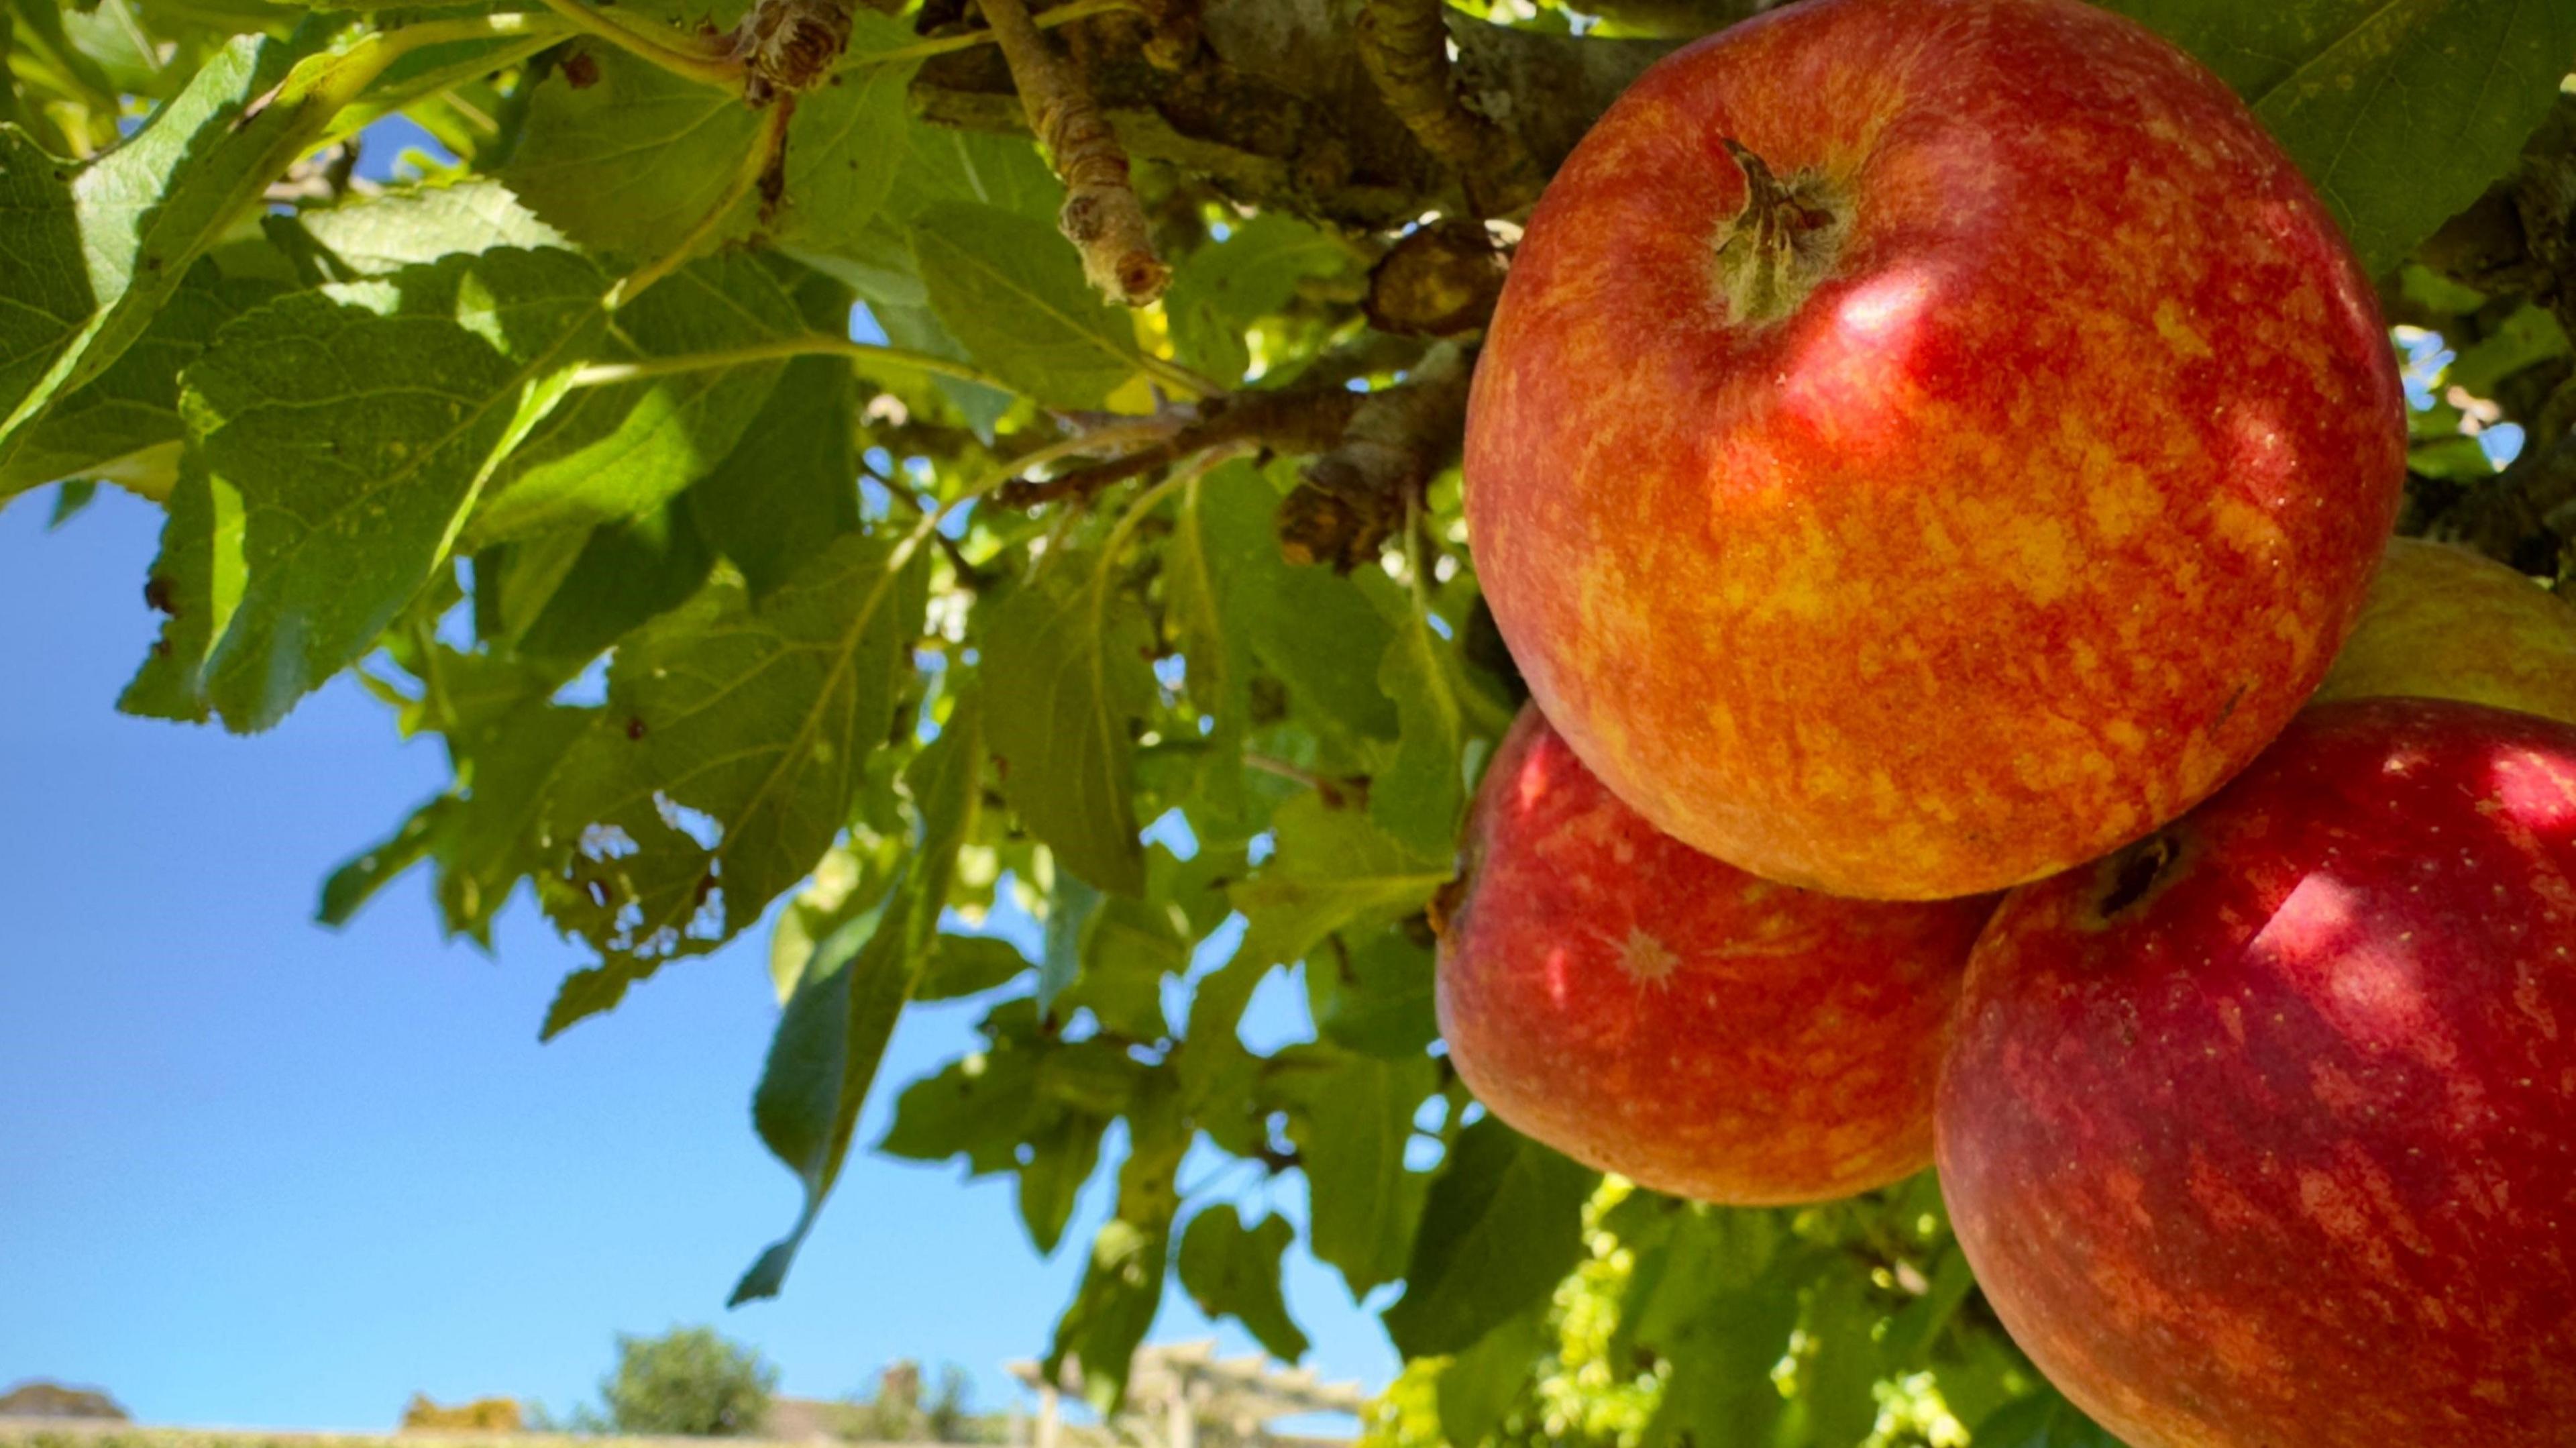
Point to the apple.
(1653, 1012)
(2444, 623)
(1925, 444)
(2263, 1131)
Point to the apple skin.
(1650, 1011)
(2283, 1151)
(2035, 512)
(2444, 623)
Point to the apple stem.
(1781, 244)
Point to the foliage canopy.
(1157, 622)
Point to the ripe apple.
(2444, 623)
(1925, 444)
(2263, 1131)
(1643, 1008)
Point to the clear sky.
(258, 1172)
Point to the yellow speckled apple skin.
(2444, 623)
(2033, 522)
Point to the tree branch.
(1101, 215)
(1277, 110)
(1405, 46)
(1302, 420)
(1354, 496)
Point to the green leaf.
(1069, 910)
(512, 763)
(758, 720)
(1128, 947)
(359, 424)
(197, 581)
(1326, 640)
(916, 328)
(1230, 1271)
(1010, 290)
(981, 1106)
(1481, 1384)
(626, 573)
(1062, 1156)
(621, 451)
(70, 500)
(1504, 1221)
(1721, 1390)
(1215, 567)
(946, 163)
(2044, 1420)
(1377, 999)
(848, 141)
(2530, 336)
(851, 882)
(789, 487)
(1840, 1379)
(834, 1031)
(124, 426)
(371, 869)
(1122, 1288)
(1095, 1075)
(2401, 111)
(1438, 709)
(1218, 1076)
(1351, 1116)
(1223, 287)
(418, 224)
(630, 164)
(965, 965)
(1069, 651)
(1334, 870)
(95, 249)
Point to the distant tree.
(688, 1380)
(899, 1413)
(487, 1415)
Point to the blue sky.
(253, 1171)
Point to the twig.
(1101, 215)
(1301, 421)
(1326, 788)
(967, 573)
(1404, 44)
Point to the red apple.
(1650, 1011)
(2263, 1131)
(1925, 444)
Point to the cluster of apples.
(1929, 449)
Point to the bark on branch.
(1276, 108)
(1405, 46)
(1398, 439)
(1101, 214)
(1297, 421)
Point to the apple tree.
(870, 467)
